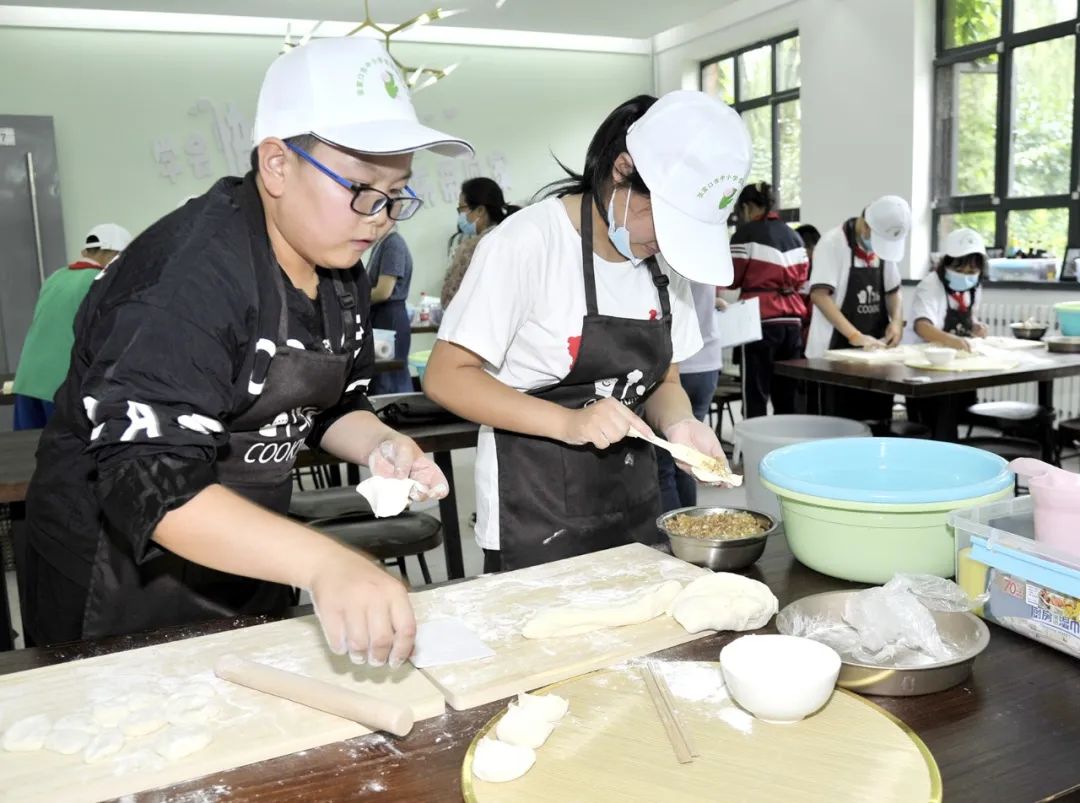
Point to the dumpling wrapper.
(386, 495)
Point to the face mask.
(464, 225)
(958, 282)
(866, 244)
(620, 236)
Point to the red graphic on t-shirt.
(573, 345)
(653, 314)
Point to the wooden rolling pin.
(369, 711)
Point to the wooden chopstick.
(667, 717)
(665, 691)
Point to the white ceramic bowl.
(940, 355)
(779, 679)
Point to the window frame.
(774, 99)
(1004, 46)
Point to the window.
(1007, 124)
(762, 82)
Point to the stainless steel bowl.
(1029, 331)
(965, 630)
(1063, 344)
(720, 555)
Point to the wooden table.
(1008, 734)
(897, 379)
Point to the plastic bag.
(888, 625)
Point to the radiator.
(1066, 391)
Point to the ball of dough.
(498, 762)
(110, 713)
(548, 707)
(27, 734)
(191, 709)
(724, 601)
(523, 728)
(67, 741)
(180, 741)
(105, 744)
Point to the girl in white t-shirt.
(571, 321)
(944, 313)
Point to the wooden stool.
(390, 540)
(895, 428)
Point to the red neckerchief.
(767, 216)
(961, 300)
(83, 264)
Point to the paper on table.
(447, 641)
(740, 323)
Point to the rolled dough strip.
(368, 711)
(570, 621)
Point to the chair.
(327, 503)
(897, 428)
(728, 391)
(1025, 428)
(389, 540)
(1068, 437)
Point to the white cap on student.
(349, 92)
(964, 242)
(108, 236)
(889, 219)
(694, 153)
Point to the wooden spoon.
(705, 468)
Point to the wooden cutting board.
(872, 356)
(497, 607)
(963, 362)
(251, 726)
(612, 740)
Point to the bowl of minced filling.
(718, 538)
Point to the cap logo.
(383, 71)
(725, 202)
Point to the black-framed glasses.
(366, 200)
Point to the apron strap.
(283, 303)
(587, 254)
(342, 320)
(661, 282)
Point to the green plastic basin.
(869, 543)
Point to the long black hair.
(607, 144)
(484, 192)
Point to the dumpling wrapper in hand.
(386, 495)
(724, 601)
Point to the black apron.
(960, 322)
(557, 501)
(290, 386)
(864, 301)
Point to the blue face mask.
(620, 235)
(867, 245)
(959, 282)
(464, 225)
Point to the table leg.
(455, 562)
(1046, 434)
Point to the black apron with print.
(864, 301)
(961, 320)
(557, 501)
(290, 385)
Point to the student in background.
(770, 265)
(855, 288)
(390, 273)
(810, 237)
(46, 352)
(481, 207)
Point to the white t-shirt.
(711, 356)
(520, 308)
(831, 268)
(932, 302)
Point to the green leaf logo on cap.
(725, 202)
(390, 84)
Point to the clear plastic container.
(1030, 587)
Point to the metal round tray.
(965, 630)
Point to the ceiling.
(617, 18)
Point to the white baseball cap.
(693, 152)
(109, 236)
(889, 219)
(349, 92)
(964, 242)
